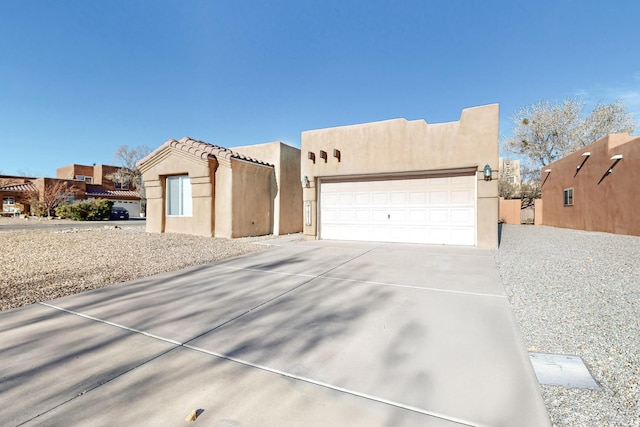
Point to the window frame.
(567, 195)
(13, 203)
(184, 207)
(85, 178)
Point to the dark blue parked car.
(119, 213)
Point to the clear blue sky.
(80, 78)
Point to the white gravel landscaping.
(578, 293)
(43, 264)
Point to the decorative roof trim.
(112, 193)
(206, 150)
(27, 186)
(199, 149)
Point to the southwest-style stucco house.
(88, 183)
(99, 185)
(404, 181)
(193, 187)
(595, 188)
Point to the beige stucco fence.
(510, 212)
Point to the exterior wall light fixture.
(312, 156)
(323, 155)
(336, 153)
(305, 181)
(487, 172)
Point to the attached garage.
(404, 181)
(434, 210)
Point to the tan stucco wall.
(538, 212)
(609, 206)
(399, 146)
(71, 171)
(510, 211)
(287, 191)
(171, 162)
(252, 201)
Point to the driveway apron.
(308, 333)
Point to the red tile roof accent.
(112, 193)
(29, 186)
(206, 150)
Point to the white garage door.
(426, 210)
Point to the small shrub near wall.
(94, 210)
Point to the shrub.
(38, 209)
(100, 209)
(94, 210)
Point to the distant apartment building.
(509, 170)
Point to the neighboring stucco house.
(404, 181)
(193, 187)
(595, 188)
(99, 185)
(88, 183)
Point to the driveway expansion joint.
(185, 345)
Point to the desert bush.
(94, 210)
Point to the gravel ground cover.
(43, 264)
(577, 292)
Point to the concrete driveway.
(313, 333)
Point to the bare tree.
(44, 201)
(508, 190)
(545, 132)
(128, 173)
(530, 188)
(527, 191)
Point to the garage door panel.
(438, 216)
(418, 198)
(397, 215)
(380, 199)
(418, 216)
(363, 199)
(428, 210)
(345, 215)
(462, 216)
(346, 199)
(462, 197)
(330, 215)
(439, 235)
(398, 198)
(379, 215)
(330, 200)
(439, 198)
(380, 234)
(364, 216)
(361, 233)
(419, 235)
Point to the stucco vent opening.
(562, 370)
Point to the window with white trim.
(9, 204)
(568, 197)
(121, 185)
(87, 179)
(179, 196)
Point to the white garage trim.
(432, 209)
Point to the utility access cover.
(562, 370)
